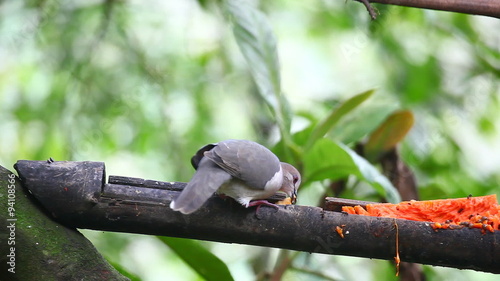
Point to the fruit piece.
(474, 212)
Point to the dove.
(243, 170)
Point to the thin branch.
(285, 260)
(473, 7)
(314, 273)
(369, 8)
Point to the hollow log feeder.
(76, 194)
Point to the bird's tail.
(207, 179)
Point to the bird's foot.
(259, 203)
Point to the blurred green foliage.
(141, 86)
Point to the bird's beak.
(294, 196)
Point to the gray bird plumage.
(201, 187)
(240, 169)
(248, 161)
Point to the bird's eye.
(295, 180)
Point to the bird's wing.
(248, 161)
(207, 179)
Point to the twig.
(314, 273)
(473, 7)
(370, 9)
(284, 263)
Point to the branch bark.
(35, 247)
(474, 7)
(143, 208)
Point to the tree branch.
(474, 7)
(144, 209)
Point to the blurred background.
(142, 85)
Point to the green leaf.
(290, 153)
(363, 121)
(294, 154)
(389, 134)
(123, 271)
(331, 120)
(330, 160)
(371, 175)
(326, 160)
(209, 266)
(257, 43)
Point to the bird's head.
(291, 181)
